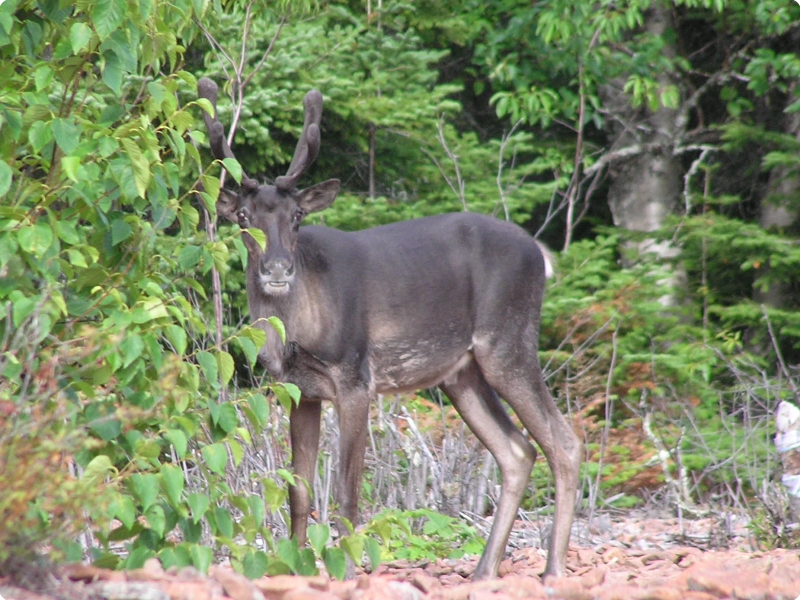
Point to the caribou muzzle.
(276, 275)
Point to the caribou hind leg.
(517, 377)
(479, 406)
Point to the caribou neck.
(296, 309)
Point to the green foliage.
(116, 394)
(425, 534)
(112, 390)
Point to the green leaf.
(354, 546)
(67, 232)
(156, 519)
(39, 135)
(257, 511)
(67, 134)
(5, 177)
(125, 511)
(209, 365)
(216, 457)
(140, 164)
(198, 503)
(201, 557)
(260, 407)
(97, 470)
(106, 428)
(177, 337)
(189, 256)
(35, 239)
(293, 390)
(226, 368)
(259, 236)
(274, 495)
(335, 562)
(107, 16)
(43, 77)
(131, 348)
(224, 522)
(226, 417)
(79, 36)
(148, 309)
(137, 558)
(233, 167)
(284, 399)
(172, 477)
(249, 348)
(318, 535)
(277, 324)
(289, 552)
(254, 564)
(145, 488)
(177, 438)
(112, 72)
(175, 557)
(120, 231)
(373, 550)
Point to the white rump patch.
(549, 260)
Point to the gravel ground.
(632, 557)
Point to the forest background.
(655, 145)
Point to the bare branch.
(500, 164)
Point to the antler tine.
(206, 88)
(308, 145)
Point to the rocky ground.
(631, 558)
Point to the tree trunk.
(778, 210)
(645, 187)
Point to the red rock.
(520, 586)
(594, 577)
(659, 593)
(346, 590)
(89, 573)
(587, 556)
(192, 590)
(274, 588)
(565, 588)
(308, 593)
(615, 592)
(451, 579)
(613, 555)
(189, 574)
(693, 595)
(129, 590)
(506, 567)
(654, 557)
(382, 589)
(741, 583)
(362, 582)
(423, 582)
(236, 586)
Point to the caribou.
(452, 301)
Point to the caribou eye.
(297, 217)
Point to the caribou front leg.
(304, 425)
(353, 413)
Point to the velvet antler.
(220, 149)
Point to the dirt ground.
(633, 557)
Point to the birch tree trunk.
(645, 187)
(779, 210)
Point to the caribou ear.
(318, 197)
(228, 205)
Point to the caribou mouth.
(275, 287)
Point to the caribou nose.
(277, 269)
